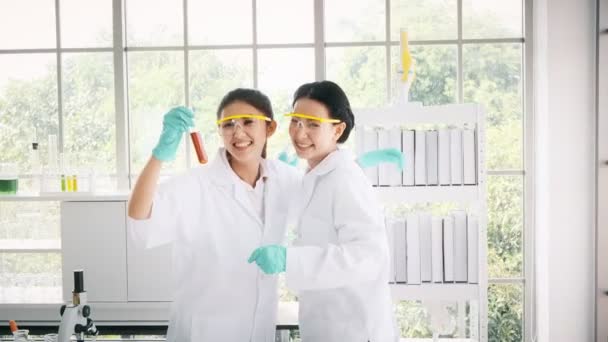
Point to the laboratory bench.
(153, 339)
(107, 333)
(128, 334)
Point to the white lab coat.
(214, 228)
(339, 262)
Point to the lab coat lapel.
(271, 194)
(240, 195)
(307, 190)
(310, 180)
(222, 175)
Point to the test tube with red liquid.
(197, 141)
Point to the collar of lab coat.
(332, 161)
(222, 174)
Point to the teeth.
(242, 144)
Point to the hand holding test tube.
(175, 123)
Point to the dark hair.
(252, 97)
(334, 98)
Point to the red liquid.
(197, 141)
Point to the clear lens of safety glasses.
(309, 125)
(227, 126)
(310, 122)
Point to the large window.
(56, 78)
(59, 71)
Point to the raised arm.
(175, 123)
(140, 203)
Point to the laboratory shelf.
(430, 291)
(66, 196)
(428, 193)
(471, 197)
(415, 113)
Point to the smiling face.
(246, 142)
(314, 140)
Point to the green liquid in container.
(9, 186)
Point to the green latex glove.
(175, 123)
(387, 155)
(285, 158)
(270, 259)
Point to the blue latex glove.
(175, 123)
(285, 158)
(387, 155)
(271, 259)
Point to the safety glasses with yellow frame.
(247, 122)
(310, 122)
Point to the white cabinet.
(117, 267)
(122, 278)
(93, 236)
(149, 272)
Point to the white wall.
(564, 52)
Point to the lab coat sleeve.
(361, 254)
(166, 214)
(291, 182)
(293, 187)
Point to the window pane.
(282, 21)
(27, 24)
(505, 312)
(421, 320)
(492, 18)
(208, 23)
(89, 113)
(361, 72)
(28, 106)
(355, 20)
(505, 226)
(29, 225)
(281, 72)
(213, 73)
(156, 84)
(435, 67)
(424, 20)
(155, 22)
(493, 78)
(30, 278)
(86, 23)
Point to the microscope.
(75, 316)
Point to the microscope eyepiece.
(78, 281)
